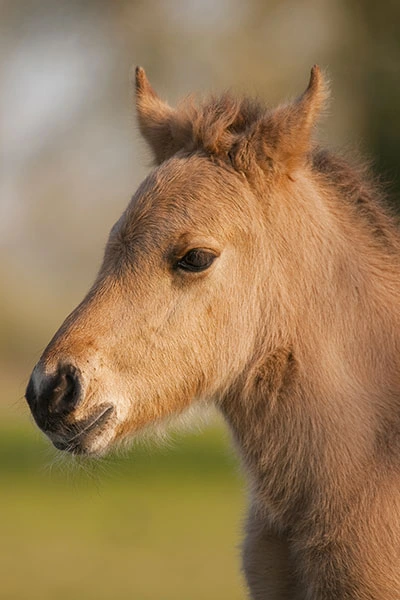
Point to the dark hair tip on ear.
(140, 78)
(315, 76)
(142, 84)
(137, 78)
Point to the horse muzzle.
(54, 399)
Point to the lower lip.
(76, 445)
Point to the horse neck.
(331, 278)
(324, 374)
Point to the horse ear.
(283, 137)
(156, 118)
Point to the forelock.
(213, 125)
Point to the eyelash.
(196, 260)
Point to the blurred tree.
(379, 43)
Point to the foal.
(259, 272)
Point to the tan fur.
(293, 331)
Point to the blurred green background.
(156, 523)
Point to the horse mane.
(214, 124)
(361, 189)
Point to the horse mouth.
(85, 431)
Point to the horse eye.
(196, 260)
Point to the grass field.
(159, 523)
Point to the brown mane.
(357, 186)
(215, 124)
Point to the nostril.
(64, 391)
(51, 397)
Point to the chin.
(90, 436)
